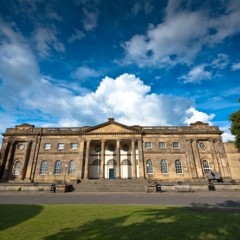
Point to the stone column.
(31, 160)
(214, 155)
(9, 163)
(197, 159)
(87, 160)
(118, 169)
(220, 152)
(134, 173)
(102, 159)
(190, 158)
(140, 159)
(80, 163)
(5, 151)
(26, 160)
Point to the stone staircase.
(111, 185)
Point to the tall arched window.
(57, 167)
(149, 166)
(164, 166)
(71, 167)
(43, 167)
(178, 166)
(206, 167)
(16, 168)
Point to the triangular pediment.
(111, 127)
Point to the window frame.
(206, 166)
(47, 146)
(71, 167)
(149, 166)
(43, 168)
(164, 167)
(178, 167)
(16, 168)
(60, 146)
(161, 147)
(74, 146)
(148, 145)
(176, 143)
(57, 167)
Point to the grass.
(118, 222)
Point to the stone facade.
(112, 150)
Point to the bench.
(183, 188)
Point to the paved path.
(216, 199)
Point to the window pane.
(16, 169)
(178, 166)
(148, 145)
(162, 145)
(71, 167)
(149, 166)
(47, 146)
(164, 166)
(60, 145)
(206, 167)
(74, 145)
(176, 145)
(57, 167)
(43, 168)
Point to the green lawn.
(118, 222)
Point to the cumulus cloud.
(181, 35)
(85, 72)
(78, 35)
(194, 115)
(196, 75)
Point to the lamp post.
(65, 174)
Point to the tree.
(235, 127)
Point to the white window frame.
(43, 167)
(74, 146)
(176, 145)
(47, 146)
(57, 167)
(17, 168)
(71, 167)
(206, 166)
(162, 143)
(60, 146)
(178, 167)
(149, 165)
(164, 168)
(148, 145)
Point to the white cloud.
(84, 73)
(46, 40)
(90, 19)
(181, 35)
(221, 61)
(196, 75)
(194, 115)
(78, 35)
(235, 67)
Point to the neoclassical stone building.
(112, 150)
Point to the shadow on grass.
(226, 204)
(12, 215)
(166, 223)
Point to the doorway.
(111, 173)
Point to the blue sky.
(155, 62)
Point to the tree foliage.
(235, 126)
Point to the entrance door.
(111, 173)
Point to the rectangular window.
(148, 145)
(162, 145)
(60, 146)
(74, 145)
(176, 145)
(47, 146)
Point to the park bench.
(183, 188)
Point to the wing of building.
(112, 150)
